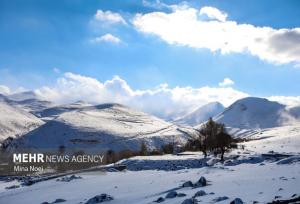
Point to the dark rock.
(218, 199)
(200, 193)
(28, 182)
(181, 195)
(59, 200)
(187, 184)
(69, 178)
(159, 200)
(12, 187)
(172, 194)
(288, 201)
(237, 201)
(201, 182)
(190, 201)
(99, 199)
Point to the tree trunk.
(222, 154)
(205, 153)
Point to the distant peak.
(20, 96)
(214, 103)
(109, 105)
(80, 102)
(255, 100)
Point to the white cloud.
(290, 101)
(109, 17)
(107, 38)
(213, 13)
(161, 101)
(183, 26)
(4, 90)
(226, 82)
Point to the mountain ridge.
(201, 114)
(103, 127)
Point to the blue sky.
(38, 36)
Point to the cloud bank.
(287, 100)
(161, 101)
(186, 26)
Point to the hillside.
(33, 105)
(20, 96)
(253, 174)
(52, 112)
(103, 127)
(15, 122)
(253, 113)
(295, 111)
(202, 114)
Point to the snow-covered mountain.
(295, 111)
(20, 96)
(103, 127)
(33, 105)
(202, 114)
(3, 98)
(15, 122)
(252, 113)
(53, 112)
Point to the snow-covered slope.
(2, 97)
(202, 114)
(252, 113)
(103, 127)
(14, 121)
(52, 112)
(295, 111)
(246, 174)
(33, 105)
(279, 139)
(20, 96)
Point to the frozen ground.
(250, 182)
(246, 175)
(281, 139)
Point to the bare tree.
(223, 141)
(144, 150)
(209, 132)
(216, 139)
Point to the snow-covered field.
(250, 182)
(246, 174)
(284, 139)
